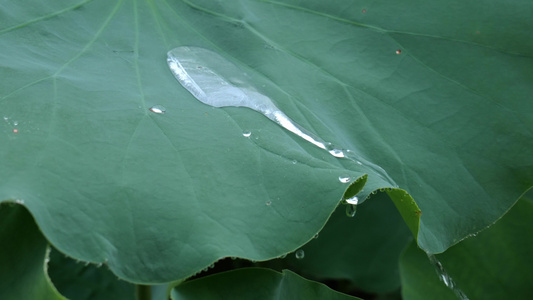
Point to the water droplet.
(19, 201)
(294, 162)
(15, 130)
(334, 151)
(47, 260)
(246, 134)
(300, 254)
(351, 210)
(158, 109)
(399, 51)
(268, 203)
(283, 256)
(233, 258)
(15, 123)
(6, 118)
(211, 266)
(353, 200)
(98, 265)
(315, 236)
(344, 179)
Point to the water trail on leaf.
(217, 82)
(446, 278)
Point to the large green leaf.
(161, 196)
(255, 283)
(495, 264)
(23, 257)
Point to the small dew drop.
(15, 123)
(344, 179)
(300, 254)
(315, 236)
(283, 256)
(19, 201)
(158, 109)
(211, 266)
(246, 134)
(6, 119)
(268, 203)
(294, 162)
(399, 51)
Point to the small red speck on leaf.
(477, 32)
(398, 51)
(15, 130)
(364, 10)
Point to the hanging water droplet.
(283, 256)
(315, 236)
(211, 266)
(344, 179)
(300, 254)
(268, 203)
(246, 134)
(158, 109)
(351, 210)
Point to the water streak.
(217, 82)
(446, 278)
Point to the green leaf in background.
(364, 250)
(78, 281)
(23, 257)
(495, 264)
(255, 283)
(436, 96)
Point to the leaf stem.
(143, 292)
